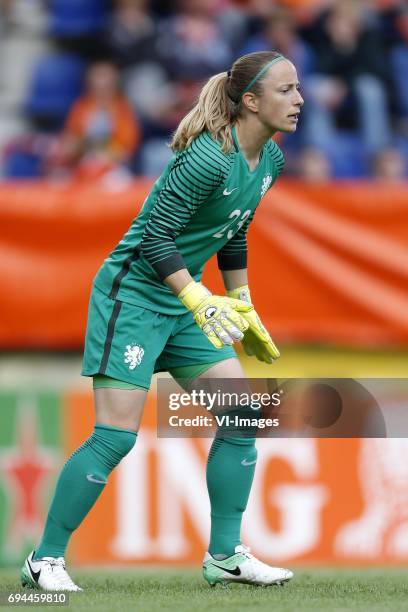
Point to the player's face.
(280, 103)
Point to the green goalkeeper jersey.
(202, 204)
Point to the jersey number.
(235, 215)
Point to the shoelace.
(261, 567)
(245, 550)
(58, 569)
(59, 561)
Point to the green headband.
(261, 73)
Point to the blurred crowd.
(107, 81)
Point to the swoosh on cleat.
(235, 572)
(35, 575)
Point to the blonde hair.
(220, 102)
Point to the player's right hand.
(217, 316)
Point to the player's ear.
(251, 101)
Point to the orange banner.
(313, 501)
(327, 263)
(321, 501)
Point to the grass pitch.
(165, 590)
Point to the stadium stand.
(56, 83)
(75, 18)
(166, 50)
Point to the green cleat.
(243, 567)
(46, 574)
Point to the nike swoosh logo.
(234, 572)
(226, 192)
(245, 462)
(34, 574)
(91, 478)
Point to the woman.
(149, 312)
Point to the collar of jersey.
(238, 150)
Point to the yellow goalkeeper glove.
(219, 317)
(256, 340)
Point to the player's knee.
(125, 442)
(239, 445)
(113, 443)
(246, 446)
(241, 440)
(239, 426)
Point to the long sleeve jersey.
(202, 204)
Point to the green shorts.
(130, 343)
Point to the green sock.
(80, 483)
(230, 471)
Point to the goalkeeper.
(149, 311)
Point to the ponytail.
(213, 112)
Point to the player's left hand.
(256, 341)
